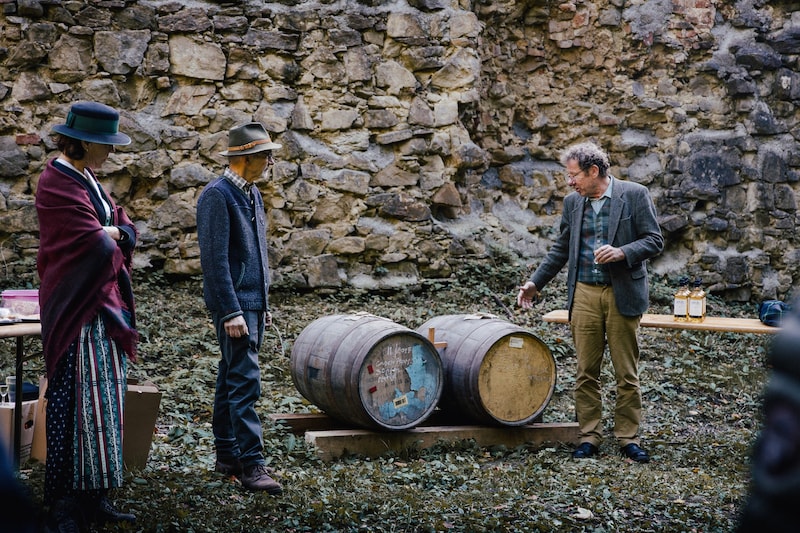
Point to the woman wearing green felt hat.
(88, 320)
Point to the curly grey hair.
(587, 154)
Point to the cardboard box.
(39, 445)
(141, 411)
(7, 430)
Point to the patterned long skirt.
(85, 405)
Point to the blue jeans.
(236, 426)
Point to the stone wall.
(418, 134)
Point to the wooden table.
(19, 330)
(711, 323)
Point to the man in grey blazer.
(608, 232)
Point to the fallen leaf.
(583, 514)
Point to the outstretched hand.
(527, 295)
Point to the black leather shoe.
(65, 517)
(584, 451)
(635, 453)
(106, 513)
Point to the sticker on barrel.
(400, 381)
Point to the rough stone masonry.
(420, 134)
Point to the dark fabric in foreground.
(772, 504)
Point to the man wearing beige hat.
(232, 232)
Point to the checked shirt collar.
(237, 180)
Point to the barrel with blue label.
(495, 372)
(367, 370)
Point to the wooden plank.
(432, 338)
(332, 444)
(333, 438)
(20, 329)
(299, 423)
(711, 323)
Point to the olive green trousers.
(596, 322)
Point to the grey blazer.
(632, 227)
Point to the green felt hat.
(93, 122)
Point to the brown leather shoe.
(229, 466)
(256, 477)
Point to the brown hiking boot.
(256, 477)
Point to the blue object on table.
(29, 392)
(771, 312)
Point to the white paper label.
(516, 342)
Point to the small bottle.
(697, 302)
(680, 306)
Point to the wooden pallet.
(333, 439)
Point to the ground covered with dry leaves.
(702, 412)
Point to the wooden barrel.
(367, 370)
(494, 371)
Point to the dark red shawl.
(83, 271)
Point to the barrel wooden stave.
(367, 370)
(494, 371)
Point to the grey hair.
(587, 154)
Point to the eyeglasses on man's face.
(572, 176)
(265, 155)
